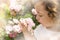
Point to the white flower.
(15, 21)
(8, 29)
(10, 22)
(18, 8)
(14, 5)
(34, 11)
(17, 28)
(28, 22)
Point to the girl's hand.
(26, 25)
(28, 34)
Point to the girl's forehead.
(39, 6)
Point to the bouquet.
(13, 28)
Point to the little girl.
(47, 13)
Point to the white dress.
(42, 33)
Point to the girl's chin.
(39, 21)
(47, 26)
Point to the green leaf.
(7, 38)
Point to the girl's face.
(42, 16)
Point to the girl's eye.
(37, 12)
(40, 15)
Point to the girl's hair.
(53, 9)
(50, 6)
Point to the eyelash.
(40, 15)
(37, 12)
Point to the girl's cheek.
(36, 18)
(39, 19)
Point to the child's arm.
(27, 34)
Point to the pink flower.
(12, 35)
(30, 23)
(17, 28)
(8, 29)
(34, 12)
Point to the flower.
(18, 8)
(34, 11)
(10, 22)
(17, 28)
(27, 22)
(14, 5)
(9, 28)
(15, 21)
(30, 23)
(14, 29)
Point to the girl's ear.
(34, 12)
(50, 6)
